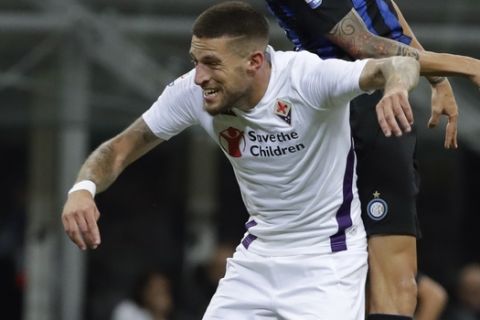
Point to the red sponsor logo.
(231, 139)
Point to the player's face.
(222, 74)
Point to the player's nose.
(201, 75)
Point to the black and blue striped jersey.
(307, 21)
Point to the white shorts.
(302, 287)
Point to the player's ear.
(256, 60)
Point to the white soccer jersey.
(292, 153)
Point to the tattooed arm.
(352, 35)
(441, 64)
(106, 163)
(102, 167)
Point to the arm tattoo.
(347, 34)
(109, 159)
(345, 27)
(407, 51)
(352, 35)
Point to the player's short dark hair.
(232, 19)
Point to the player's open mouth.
(209, 93)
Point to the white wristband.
(87, 185)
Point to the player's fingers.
(400, 114)
(94, 232)
(74, 233)
(381, 120)
(87, 232)
(401, 118)
(451, 141)
(388, 104)
(65, 223)
(81, 222)
(406, 107)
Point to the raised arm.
(352, 35)
(441, 64)
(100, 170)
(397, 76)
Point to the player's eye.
(213, 64)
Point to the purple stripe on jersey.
(250, 237)
(344, 220)
(251, 223)
(248, 240)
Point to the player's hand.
(79, 217)
(444, 103)
(394, 112)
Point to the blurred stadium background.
(75, 72)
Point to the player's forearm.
(103, 166)
(444, 64)
(352, 35)
(108, 161)
(434, 66)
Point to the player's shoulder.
(183, 90)
(184, 85)
(296, 70)
(184, 81)
(295, 61)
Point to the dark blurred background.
(74, 73)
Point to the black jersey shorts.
(388, 182)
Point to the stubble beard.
(220, 107)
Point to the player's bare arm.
(102, 167)
(105, 163)
(352, 35)
(397, 76)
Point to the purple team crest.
(283, 109)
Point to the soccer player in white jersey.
(281, 118)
